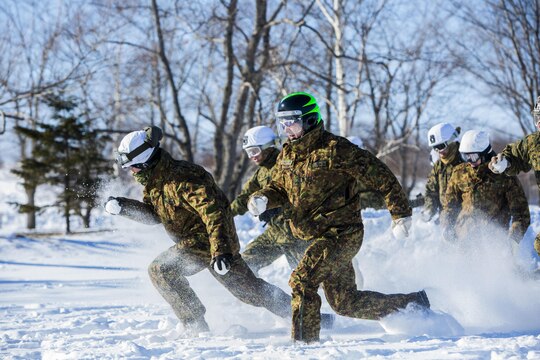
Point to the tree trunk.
(31, 215)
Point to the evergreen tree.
(67, 155)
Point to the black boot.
(422, 299)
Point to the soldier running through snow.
(196, 214)
(477, 198)
(317, 175)
(523, 155)
(443, 139)
(276, 240)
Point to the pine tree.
(67, 155)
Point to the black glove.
(222, 262)
(269, 214)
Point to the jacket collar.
(307, 141)
(270, 159)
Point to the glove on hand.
(113, 206)
(257, 204)
(269, 214)
(401, 227)
(498, 164)
(222, 263)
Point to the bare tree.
(501, 48)
(38, 67)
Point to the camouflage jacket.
(192, 208)
(438, 180)
(524, 155)
(256, 182)
(371, 199)
(320, 175)
(476, 197)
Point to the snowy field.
(88, 296)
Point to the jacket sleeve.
(275, 190)
(213, 208)
(138, 211)
(519, 209)
(517, 155)
(432, 202)
(239, 205)
(367, 169)
(451, 203)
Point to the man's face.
(134, 169)
(444, 152)
(291, 124)
(256, 154)
(295, 131)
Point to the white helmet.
(137, 147)
(261, 136)
(356, 141)
(536, 111)
(442, 133)
(474, 141)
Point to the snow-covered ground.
(88, 296)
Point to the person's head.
(139, 150)
(475, 148)
(442, 135)
(536, 113)
(257, 142)
(356, 141)
(297, 114)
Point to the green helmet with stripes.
(304, 105)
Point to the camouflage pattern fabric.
(169, 270)
(274, 242)
(438, 178)
(188, 202)
(524, 155)
(476, 197)
(196, 214)
(371, 200)
(319, 176)
(257, 181)
(328, 261)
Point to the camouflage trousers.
(328, 262)
(274, 242)
(169, 270)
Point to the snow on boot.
(416, 321)
(196, 327)
(422, 299)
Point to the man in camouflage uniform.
(442, 139)
(318, 175)
(523, 155)
(476, 198)
(196, 214)
(276, 240)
